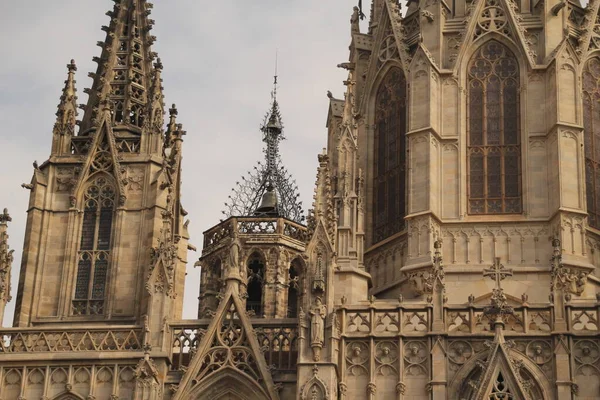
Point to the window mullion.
(502, 146)
(94, 252)
(484, 142)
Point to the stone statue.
(317, 327)
(234, 254)
(355, 19)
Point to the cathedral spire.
(269, 189)
(6, 259)
(125, 72)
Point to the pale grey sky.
(219, 61)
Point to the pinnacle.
(67, 108)
(125, 73)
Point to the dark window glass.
(94, 250)
(390, 156)
(494, 150)
(591, 125)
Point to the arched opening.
(389, 182)
(211, 284)
(494, 134)
(227, 384)
(256, 273)
(214, 278)
(94, 247)
(293, 290)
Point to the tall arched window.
(591, 124)
(256, 274)
(94, 248)
(494, 140)
(389, 205)
(293, 291)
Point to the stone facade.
(452, 251)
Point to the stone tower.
(109, 192)
(105, 247)
(452, 250)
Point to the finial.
(173, 111)
(5, 217)
(72, 67)
(276, 77)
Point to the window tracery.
(94, 248)
(494, 149)
(500, 390)
(591, 124)
(390, 156)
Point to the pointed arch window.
(389, 205)
(293, 290)
(94, 248)
(591, 124)
(494, 139)
(256, 273)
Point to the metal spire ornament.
(268, 190)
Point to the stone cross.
(497, 272)
(5, 217)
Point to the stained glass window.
(591, 124)
(94, 248)
(494, 142)
(389, 205)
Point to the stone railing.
(253, 226)
(382, 318)
(277, 338)
(40, 340)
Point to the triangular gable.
(495, 17)
(564, 51)
(228, 347)
(164, 259)
(102, 158)
(319, 237)
(500, 375)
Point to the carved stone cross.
(5, 217)
(497, 273)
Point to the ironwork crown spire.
(269, 189)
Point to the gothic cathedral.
(452, 250)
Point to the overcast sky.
(219, 62)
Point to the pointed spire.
(157, 113)
(272, 131)
(125, 72)
(6, 259)
(172, 127)
(66, 116)
(269, 184)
